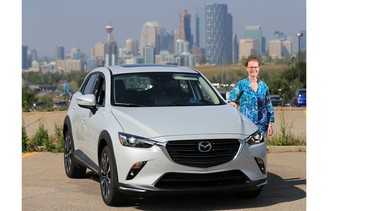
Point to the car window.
(89, 84)
(163, 89)
(99, 90)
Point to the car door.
(92, 121)
(79, 116)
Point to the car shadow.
(278, 190)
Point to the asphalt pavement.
(46, 187)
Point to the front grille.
(214, 180)
(186, 152)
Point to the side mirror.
(87, 101)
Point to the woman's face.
(253, 68)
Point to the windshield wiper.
(130, 104)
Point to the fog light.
(261, 165)
(136, 168)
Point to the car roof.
(139, 68)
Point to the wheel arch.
(66, 125)
(105, 140)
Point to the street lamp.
(292, 68)
(299, 35)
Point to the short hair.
(251, 58)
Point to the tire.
(248, 194)
(72, 168)
(108, 178)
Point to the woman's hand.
(270, 130)
(233, 104)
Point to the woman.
(253, 97)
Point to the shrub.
(286, 137)
(25, 140)
(59, 138)
(41, 140)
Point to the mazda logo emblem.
(204, 146)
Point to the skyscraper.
(255, 32)
(150, 35)
(60, 54)
(185, 28)
(216, 33)
(25, 58)
(197, 32)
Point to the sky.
(72, 23)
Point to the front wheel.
(108, 178)
(72, 169)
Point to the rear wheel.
(72, 169)
(108, 178)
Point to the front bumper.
(161, 174)
(139, 190)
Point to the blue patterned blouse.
(256, 105)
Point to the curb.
(280, 149)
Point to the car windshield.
(302, 93)
(162, 89)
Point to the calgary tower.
(111, 51)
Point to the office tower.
(229, 39)
(185, 28)
(216, 33)
(131, 47)
(60, 54)
(197, 34)
(33, 55)
(182, 46)
(25, 58)
(255, 32)
(280, 46)
(148, 54)
(75, 54)
(111, 51)
(91, 63)
(247, 47)
(235, 50)
(98, 51)
(150, 36)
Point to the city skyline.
(82, 28)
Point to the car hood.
(154, 122)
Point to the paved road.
(46, 187)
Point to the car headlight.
(135, 141)
(256, 138)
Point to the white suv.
(160, 128)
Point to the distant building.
(69, 65)
(98, 52)
(60, 53)
(111, 51)
(25, 57)
(185, 28)
(148, 54)
(247, 47)
(255, 32)
(150, 36)
(280, 46)
(216, 33)
(131, 47)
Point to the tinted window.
(163, 89)
(89, 84)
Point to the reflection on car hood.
(154, 122)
